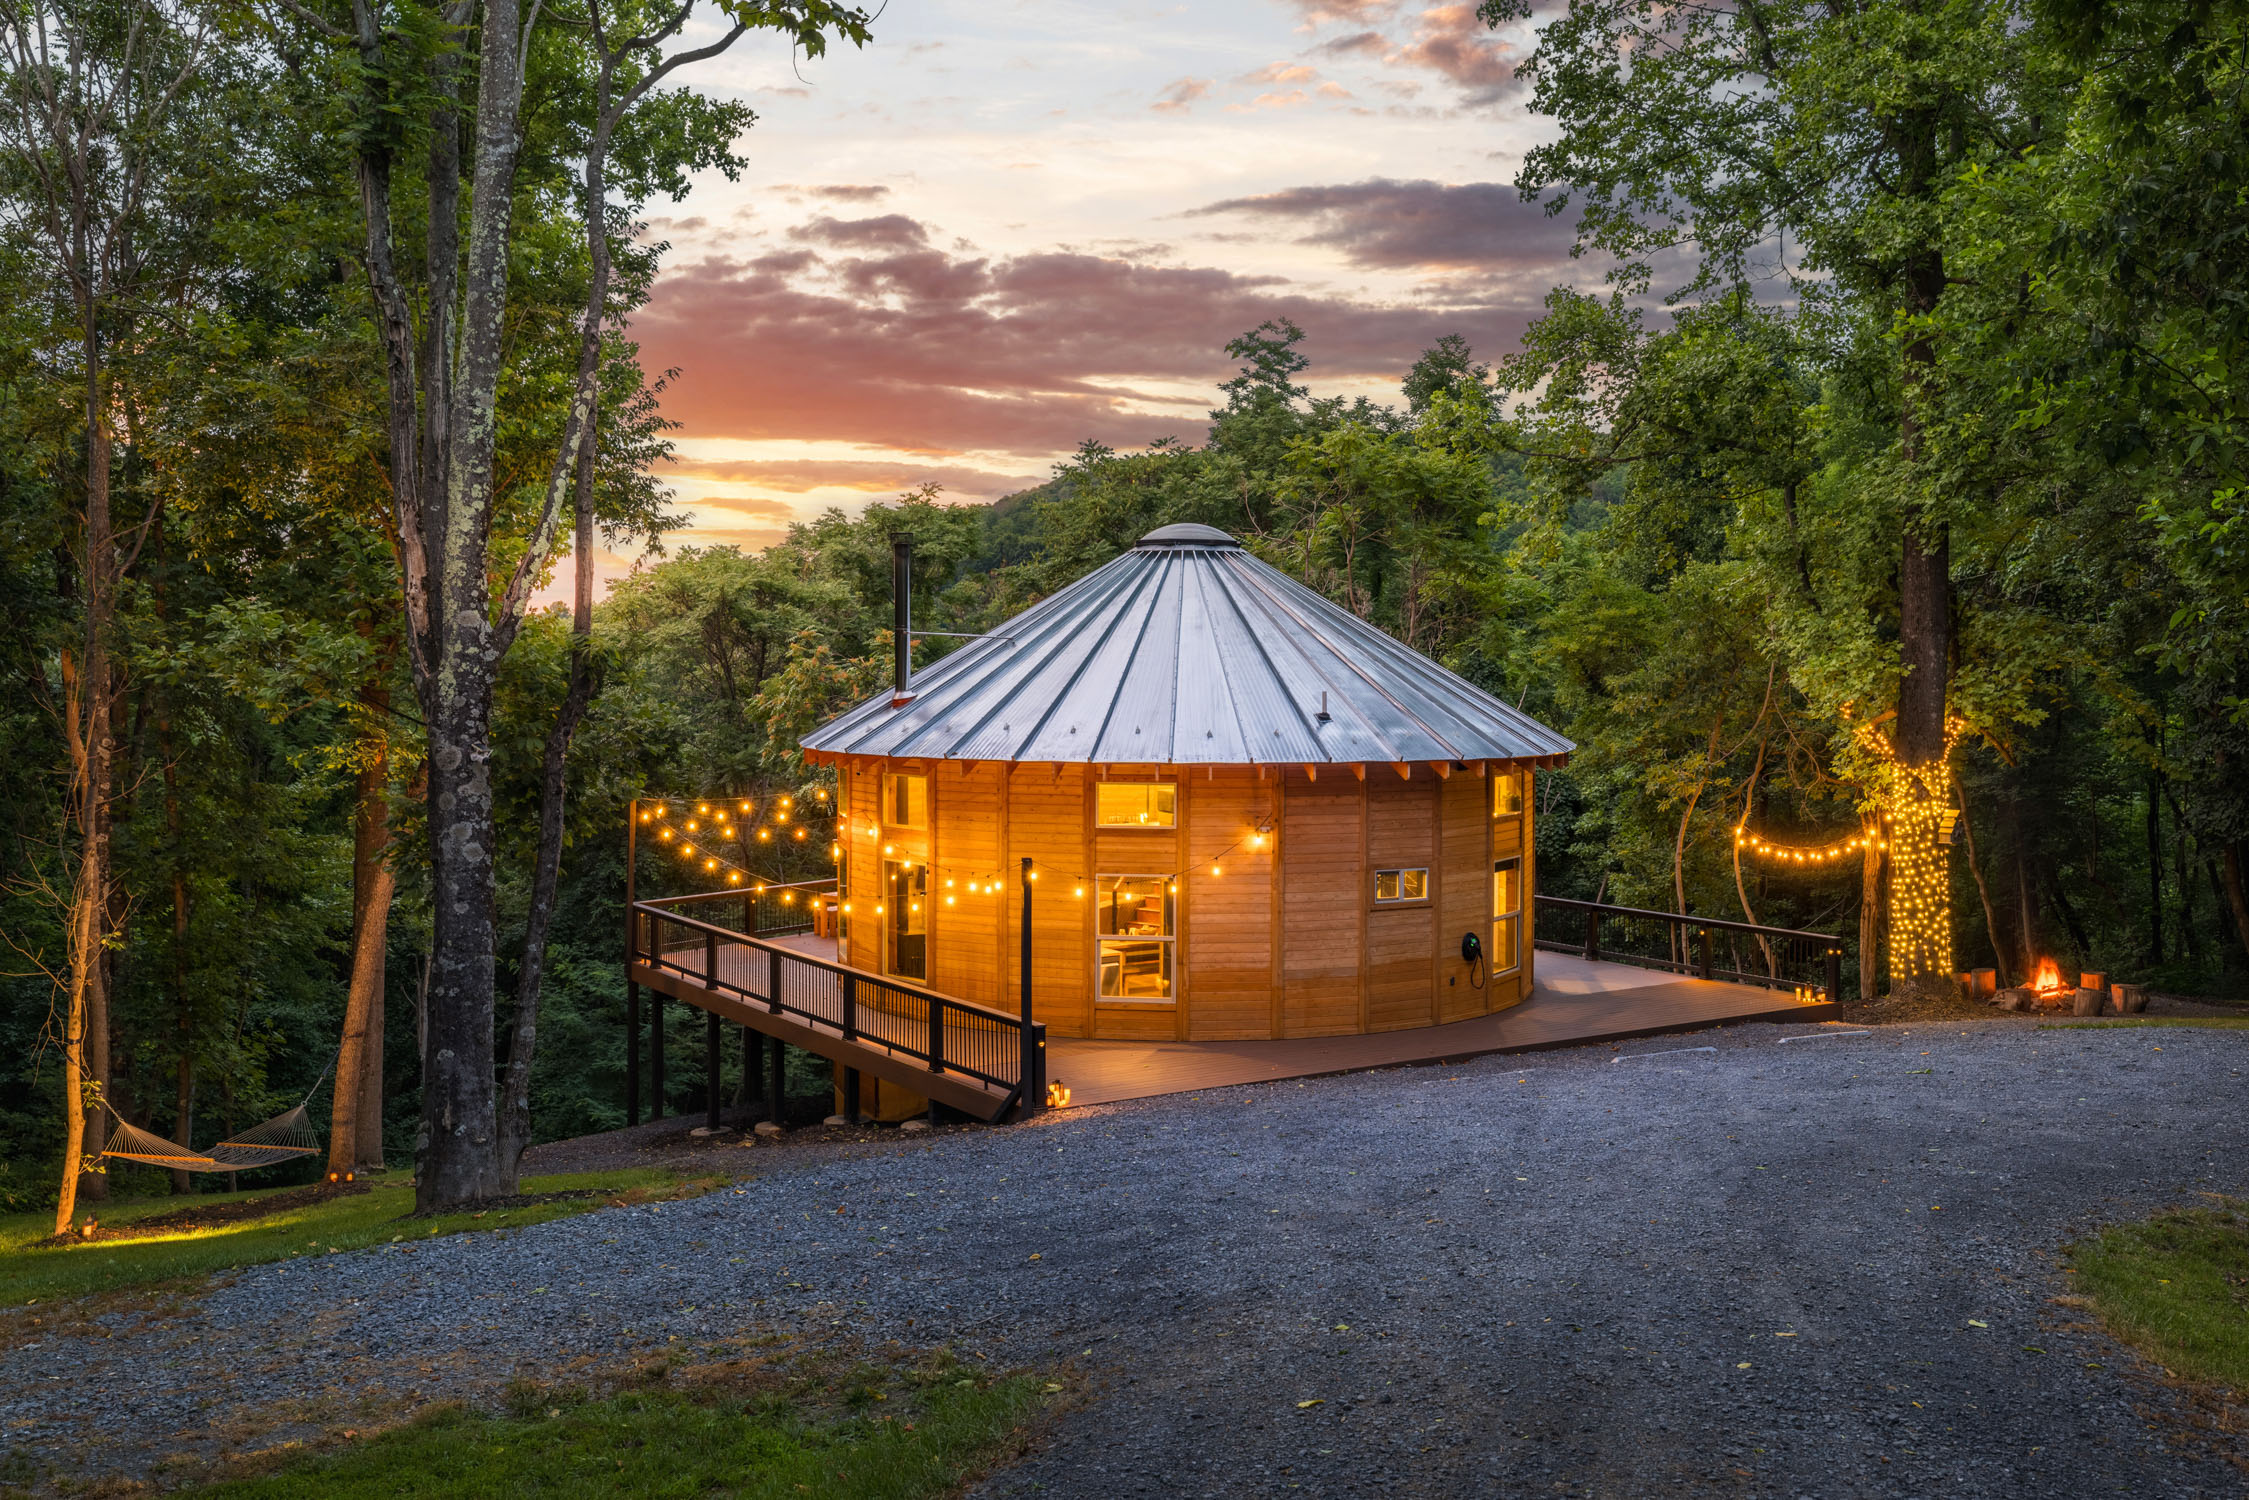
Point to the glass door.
(906, 883)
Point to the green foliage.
(2172, 1288)
(31, 1271)
(770, 1428)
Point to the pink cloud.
(1178, 97)
(937, 354)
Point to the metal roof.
(1187, 650)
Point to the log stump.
(2129, 999)
(2086, 1003)
(2015, 999)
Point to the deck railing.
(939, 1032)
(1779, 958)
(756, 911)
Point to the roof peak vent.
(1187, 534)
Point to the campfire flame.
(2049, 977)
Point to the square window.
(1135, 804)
(1507, 794)
(1401, 885)
(905, 801)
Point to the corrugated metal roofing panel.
(1187, 650)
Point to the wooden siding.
(1323, 839)
(1047, 819)
(965, 930)
(1464, 821)
(1226, 920)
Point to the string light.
(1751, 843)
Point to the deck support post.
(1034, 1093)
(632, 1053)
(711, 1070)
(776, 1080)
(655, 1054)
(632, 956)
(850, 1096)
(753, 1068)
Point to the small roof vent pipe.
(901, 621)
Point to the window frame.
(1169, 940)
(891, 781)
(1171, 827)
(915, 874)
(1522, 794)
(1401, 899)
(1513, 918)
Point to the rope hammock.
(285, 1137)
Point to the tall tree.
(464, 600)
(1765, 140)
(92, 91)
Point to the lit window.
(1401, 885)
(1135, 804)
(1136, 922)
(1507, 915)
(1507, 794)
(905, 801)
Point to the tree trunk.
(2155, 867)
(86, 711)
(1983, 893)
(1870, 913)
(2236, 899)
(515, 1111)
(372, 884)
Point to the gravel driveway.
(1817, 1268)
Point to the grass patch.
(2176, 1287)
(2212, 1023)
(771, 1428)
(377, 1216)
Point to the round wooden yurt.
(1249, 813)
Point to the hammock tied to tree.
(285, 1137)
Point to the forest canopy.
(1898, 466)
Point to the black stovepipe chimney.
(901, 619)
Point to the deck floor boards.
(1575, 1003)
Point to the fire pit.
(2048, 991)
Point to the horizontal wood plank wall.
(965, 933)
(1401, 834)
(1046, 819)
(1465, 838)
(1227, 919)
(1323, 841)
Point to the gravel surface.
(1817, 1268)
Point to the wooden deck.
(1575, 1004)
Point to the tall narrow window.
(1507, 915)
(1507, 794)
(1135, 923)
(906, 883)
(905, 801)
(1135, 804)
(843, 867)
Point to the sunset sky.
(1003, 229)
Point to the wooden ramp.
(1576, 1003)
